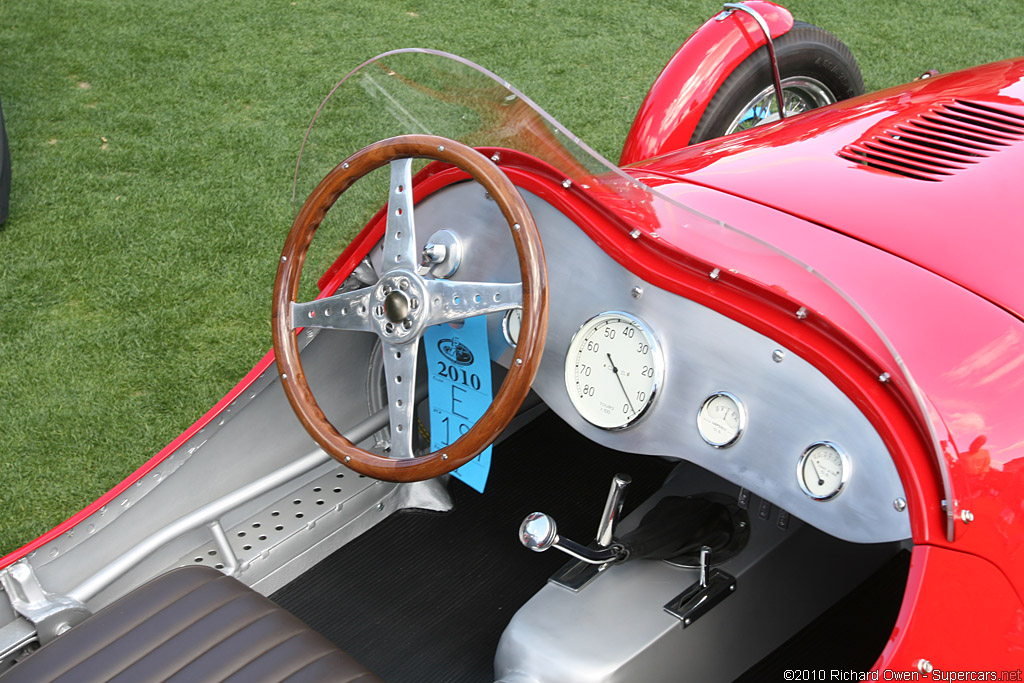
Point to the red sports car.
(765, 370)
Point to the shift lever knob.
(538, 532)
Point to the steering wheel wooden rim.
(527, 356)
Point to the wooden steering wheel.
(403, 303)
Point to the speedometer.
(613, 370)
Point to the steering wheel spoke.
(400, 376)
(400, 234)
(453, 301)
(345, 311)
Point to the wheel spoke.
(345, 311)
(452, 301)
(400, 235)
(400, 376)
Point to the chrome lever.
(612, 509)
(538, 532)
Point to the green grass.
(153, 145)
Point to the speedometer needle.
(623, 386)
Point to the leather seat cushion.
(190, 624)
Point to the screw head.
(966, 516)
(778, 355)
(924, 666)
(637, 292)
(899, 504)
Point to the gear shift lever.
(538, 532)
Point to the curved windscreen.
(429, 92)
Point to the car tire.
(816, 69)
(5, 170)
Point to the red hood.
(930, 172)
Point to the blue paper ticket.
(459, 367)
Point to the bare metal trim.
(210, 513)
(729, 6)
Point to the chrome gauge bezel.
(657, 360)
(506, 326)
(844, 476)
(741, 410)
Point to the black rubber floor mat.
(425, 596)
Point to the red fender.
(679, 96)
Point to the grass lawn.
(153, 145)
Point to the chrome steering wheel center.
(399, 306)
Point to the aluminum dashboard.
(790, 405)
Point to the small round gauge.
(613, 370)
(721, 419)
(510, 325)
(823, 470)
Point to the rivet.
(348, 458)
(924, 666)
(283, 259)
(440, 148)
(715, 273)
(687, 621)
(801, 314)
(495, 157)
(284, 375)
(444, 456)
(637, 292)
(380, 505)
(884, 377)
(345, 165)
(966, 516)
(778, 355)
(567, 183)
(516, 227)
(519, 361)
(635, 234)
(899, 504)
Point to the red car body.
(908, 201)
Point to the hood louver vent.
(941, 142)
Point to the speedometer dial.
(613, 370)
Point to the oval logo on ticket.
(455, 351)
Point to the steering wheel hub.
(400, 306)
(396, 306)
